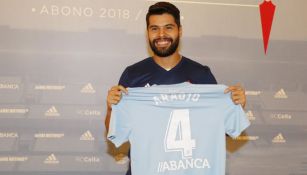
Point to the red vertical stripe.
(267, 9)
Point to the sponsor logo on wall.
(12, 86)
(88, 112)
(87, 159)
(87, 136)
(281, 94)
(253, 93)
(49, 87)
(9, 135)
(247, 138)
(281, 116)
(13, 158)
(250, 115)
(13, 110)
(52, 112)
(279, 139)
(88, 89)
(49, 135)
(51, 159)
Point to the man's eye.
(154, 29)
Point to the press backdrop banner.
(58, 58)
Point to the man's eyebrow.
(170, 25)
(150, 26)
(167, 25)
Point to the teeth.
(163, 42)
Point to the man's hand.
(237, 94)
(115, 94)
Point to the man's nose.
(161, 32)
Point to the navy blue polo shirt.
(147, 73)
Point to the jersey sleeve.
(235, 119)
(120, 125)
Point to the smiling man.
(167, 65)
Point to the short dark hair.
(160, 8)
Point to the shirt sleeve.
(203, 76)
(120, 125)
(211, 78)
(235, 119)
(124, 78)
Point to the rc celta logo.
(87, 159)
(281, 116)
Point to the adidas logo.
(148, 85)
(87, 136)
(88, 89)
(281, 94)
(250, 115)
(279, 139)
(52, 112)
(51, 159)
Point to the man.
(167, 65)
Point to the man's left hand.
(237, 94)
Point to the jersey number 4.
(178, 133)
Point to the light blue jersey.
(177, 129)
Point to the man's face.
(163, 34)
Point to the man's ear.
(180, 31)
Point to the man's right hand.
(115, 94)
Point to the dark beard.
(165, 52)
